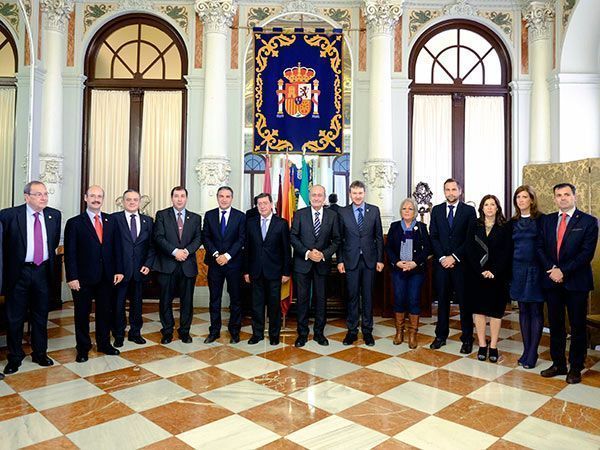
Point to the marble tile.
(289, 355)
(86, 413)
(152, 394)
(14, 406)
(71, 328)
(148, 354)
(98, 365)
(287, 380)
(369, 381)
(387, 347)
(477, 369)
(66, 355)
(233, 432)
(26, 430)
(174, 366)
(155, 316)
(151, 327)
(501, 444)
(394, 444)
(336, 432)
(61, 343)
(538, 433)
(61, 394)
(532, 381)
(250, 367)
(56, 332)
(331, 397)
(138, 430)
(187, 414)
(332, 329)
(420, 397)
(429, 357)
(582, 394)
(59, 313)
(219, 355)
(541, 364)
(196, 345)
(451, 347)
(327, 367)
(572, 415)
(204, 380)
(509, 397)
(360, 356)
(454, 382)
(171, 443)
(241, 396)
(122, 378)
(281, 444)
(59, 443)
(259, 348)
(591, 378)
(436, 433)
(333, 347)
(5, 389)
(401, 368)
(429, 330)
(381, 330)
(128, 345)
(509, 345)
(26, 366)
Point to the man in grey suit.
(315, 238)
(359, 256)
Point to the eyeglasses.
(38, 194)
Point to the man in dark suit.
(30, 238)
(177, 236)
(565, 248)
(448, 230)
(333, 199)
(223, 237)
(135, 239)
(252, 212)
(315, 237)
(93, 266)
(359, 256)
(267, 264)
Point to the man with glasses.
(30, 238)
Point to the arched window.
(8, 94)
(459, 108)
(254, 170)
(135, 109)
(341, 177)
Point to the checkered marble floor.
(240, 396)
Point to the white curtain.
(160, 159)
(484, 148)
(432, 142)
(109, 144)
(7, 144)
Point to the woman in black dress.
(489, 252)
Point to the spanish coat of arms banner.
(298, 93)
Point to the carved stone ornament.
(51, 169)
(460, 8)
(380, 174)
(299, 6)
(144, 5)
(57, 13)
(538, 16)
(216, 15)
(381, 16)
(213, 171)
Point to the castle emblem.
(298, 94)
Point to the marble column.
(214, 166)
(380, 169)
(56, 16)
(539, 16)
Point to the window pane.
(122, 35)
(474, 41)
(440, 76)
(475, 77)
(148, 55)
(423, 68)
(493, 70)
(173, 64)
(449, 60)
(467, 61)
(103, 62)
(129, 55)
(156, 36)
(7, 59)
(121, 71)
(441, 41)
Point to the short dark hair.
(263, 195)
(255, 200)
(131, 191)
(452, 180)
(179, 188)
(27, 188)
(333, 198)
(564, 185)
(225, 188)
(357, 184)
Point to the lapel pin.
(49, 217)
(367, 210)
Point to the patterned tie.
(223, 223)
(451, 215)
(98, 227)
(38, 241)
(263, 228)
(133, 228)
(179, 225)
(317, 224)
(361, 219)
(561, 233)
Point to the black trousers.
(448, 281)
(304, 282)
(216, 279)
(169, 284)
(266, 292)
(100, 292)
(31, 291)
(360, 281)
(131, 289)
(575, 303)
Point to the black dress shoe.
(466, 348)
(300, 341)
(437, 343)
(42, 360)
(254, 340)
(11, 367)
(137, 339)
(274, 340)
(369, 340)
(186, 338)
(574, 376)
(211, 338)
(81, 357)
(350, 338)
(321, 340)
(553, 371)
(118, 342)
(166, 339)
(109, 350)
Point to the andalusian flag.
(304, 197)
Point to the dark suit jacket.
(139, 253)
(334, 207)
(303, 239)
(232, 242)
(14, 224)
(421, 244)
(270, 258)
(450, 241)
(369, 240)
(576, 252)
(499, 250)
(86, 259)
(166, 239)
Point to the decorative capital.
(538, 16)
(213, 171)
(216, 15)
(380, 174)
(140, 5)
(381, 16)
(460, 8)
(51, 169)
(57, 13)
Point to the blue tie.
(263, 228)
(317, 224)
(133, 228)
(451, 215)
(361, 219)
(223, 223)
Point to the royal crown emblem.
(298, 95)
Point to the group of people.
(481, 261)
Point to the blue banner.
(298, 93)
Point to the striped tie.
(317, 224)
(361, 219)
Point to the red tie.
(561, 233)
(98, 227)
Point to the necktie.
(561, 233)
(263, 228)
(451, 215)
(223, 223)
(38, 241)
(133, 228)
(179, 225)
(361, 219)
(98, 227)
(317, 224)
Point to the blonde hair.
(413, 203)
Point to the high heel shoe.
(482, 353)
(493, 356)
